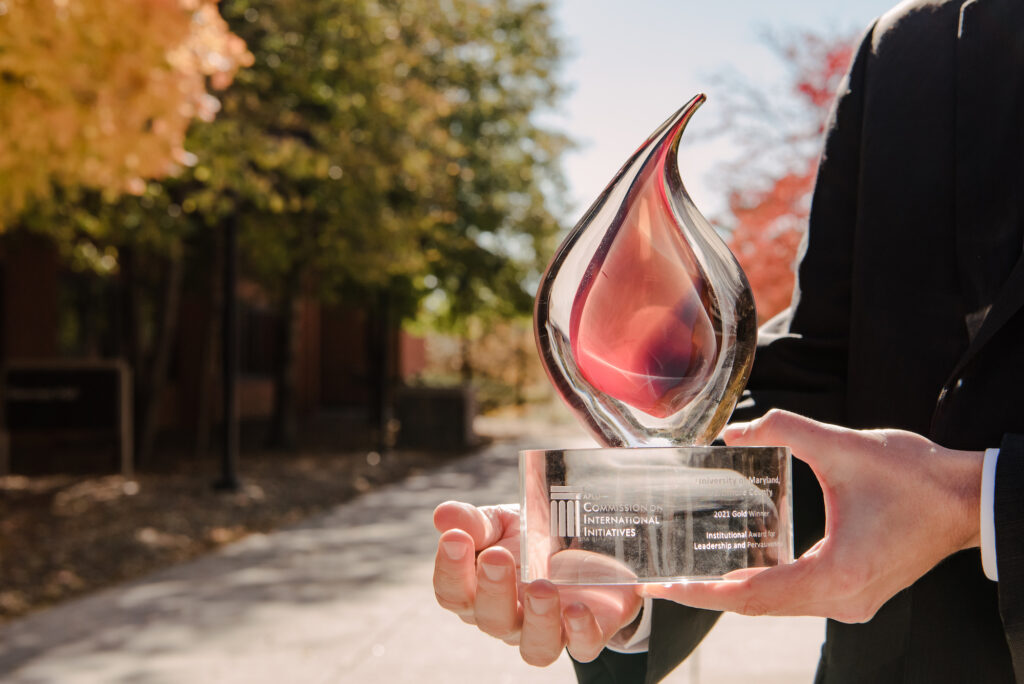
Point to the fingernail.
(576, 624)
(540, 606)
(495, 573)
(454, 550)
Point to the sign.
(69, 416)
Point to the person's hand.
(476, 576)
(896, 504)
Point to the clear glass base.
(664, 514)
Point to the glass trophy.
(646, 326)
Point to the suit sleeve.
(1009, 523)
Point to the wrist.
(964, 479)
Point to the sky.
(631, 64)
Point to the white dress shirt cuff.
(988, 517)
(635, 642)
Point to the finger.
(781, 590)
(542, 635)
(496, 607)
(612, 606)
(585, 638)
(485, 525)
(455, 574)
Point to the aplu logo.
(565, 511)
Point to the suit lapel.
(990, 165)
(1008, 302)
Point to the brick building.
(52, 317)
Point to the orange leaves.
(769, 222)
(769, 227)
(818, 64)
(101, 92)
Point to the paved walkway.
(344, 597)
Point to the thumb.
(809, 440)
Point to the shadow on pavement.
(357, 549)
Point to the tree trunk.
(128, 338)
(163, 343)
(284, 419)
(208, 355)
(382, 409)
(521, 358)
(129, 310)
(5, 440)
(465, 359)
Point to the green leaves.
(384, 141)
(369, 144)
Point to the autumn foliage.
(769, 210)
(769, 227)
(100, 93)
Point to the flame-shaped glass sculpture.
(644, 320)
(646, 326)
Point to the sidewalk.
(344, 597)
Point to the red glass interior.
(639, 328)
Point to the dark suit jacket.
(909, 315)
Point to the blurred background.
(262, 257)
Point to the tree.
(305, 155)
(769, 199)
(371, 150)
(387, 150)
(99, 93)
(135, 245)
(324, 146)
(503, 169)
